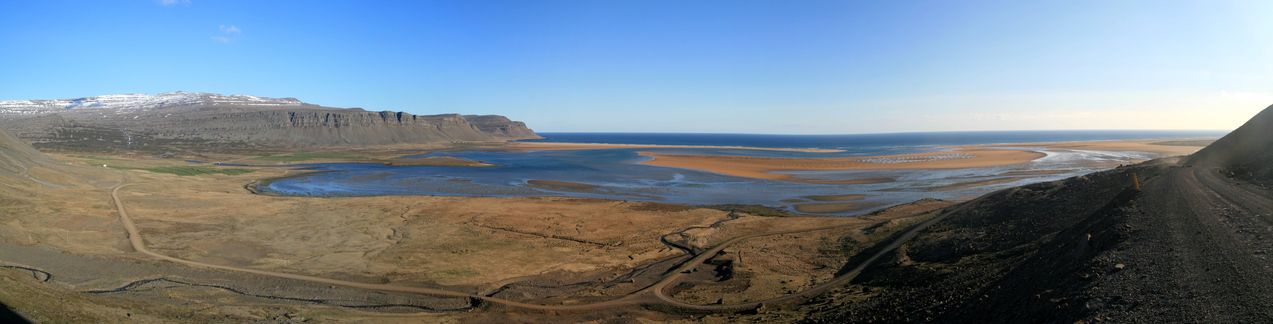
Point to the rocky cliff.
(217, 121)
(500, 125)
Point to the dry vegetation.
(541, 250)
(465, 244)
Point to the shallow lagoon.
(617, 174)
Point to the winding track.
(650, 295)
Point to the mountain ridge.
(209, 121)
(135, 101)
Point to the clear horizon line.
(889, 133)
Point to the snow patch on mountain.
(139, 102)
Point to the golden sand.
(764, 167)
(1162, 148)
(977, 156)
(545, 146)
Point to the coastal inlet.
(623, 174)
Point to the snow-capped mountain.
(191, 120)
(134, 102)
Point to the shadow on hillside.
(8, 316)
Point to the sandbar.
(766, 167)
(836, 197)
(552, 146)
(957, 157)
(562, 185)
(1159, 147)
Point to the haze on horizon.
(826, 67)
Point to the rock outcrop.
(500, 125)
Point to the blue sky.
(830, 67)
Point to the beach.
(957, 157)
(1159, 147)
(556, 146)
(767, 167)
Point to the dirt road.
(1207, 247)
(137, 242)
(651, 295)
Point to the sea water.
(618, 174)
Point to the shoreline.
(1163, 148)
(780, 168)
(768, 168)
(556, 146)
(776, 168)
(951, 157)
(566, 146)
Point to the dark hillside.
(1192, 245)
(1246, 152)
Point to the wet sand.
(837, 197)
(766, 167)
(562, 185)
(547, 146)
(872, 180)
(1160, 147)
(960, 157)
(969, 184)
(435, 161)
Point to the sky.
(736, 66)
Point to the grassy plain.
(512, 246)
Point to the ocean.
(873, 144)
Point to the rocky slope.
(1191, 245)
(207, 121)
(16, 156)
(1246, 152)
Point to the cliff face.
(500, 125)
(324, 127)
(238, 122)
